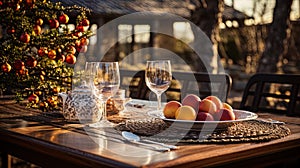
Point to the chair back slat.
(183, 83)
(277, 93)
(293, 98)
(133, 81)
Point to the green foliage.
(37, 48)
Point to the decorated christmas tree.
(38, 48)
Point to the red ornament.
(25, 38)
(60, 57)
(85, 22)
(53, 23)
(39, 22)
(63, 19)
(80, 28)
(70, 59)
(52, 54)
(71, 49)
(42, 52)
(37, 29)
(19, 65)
(33, 98)
(31, 62)
(6, 67)
(84, 41)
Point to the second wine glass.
(106, 83)
(158, 76)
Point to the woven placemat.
(248, 131)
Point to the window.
(132, 37)
(183, 31)
(141, 33)
(124, 35)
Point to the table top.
(48, 141)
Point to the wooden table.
(48, 142)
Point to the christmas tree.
(37, 47)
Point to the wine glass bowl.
(158, 76)
(158, 83)
(107, 79)
(90, 73)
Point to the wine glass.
(106, 84)
(90, 73)
(158, 77)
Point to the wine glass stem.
(158, 101)
(104, 114)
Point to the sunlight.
(246, 6)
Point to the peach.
(170, 109)
(207, 105)
(204, 116)
(185, 113)
(227, 106)
(224, 114)
(216, 100)
(191, 100)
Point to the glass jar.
(81, 104)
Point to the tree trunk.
(207, 16)
(276, 41)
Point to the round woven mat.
(248, 131)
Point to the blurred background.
(249, 36)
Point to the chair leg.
(6, 160)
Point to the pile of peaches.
(211, 108)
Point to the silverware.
(162, 144)
(136, 139)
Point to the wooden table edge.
(247, 157)
(14, 144)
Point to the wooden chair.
(201, 84)
(183, 83)
(278, 93)
(134, 83)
